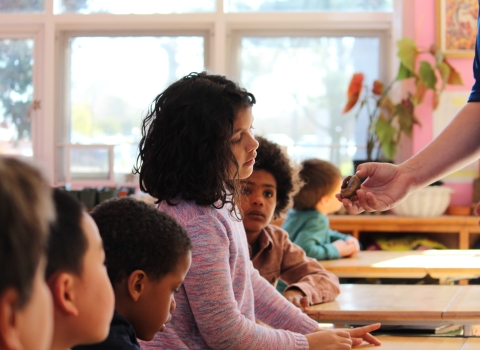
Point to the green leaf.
(404, 73)
(407, 52)
(444, 70)
(386, 135)
(427, 74)
(405, 119)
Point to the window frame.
(221, 30)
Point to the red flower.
(354, 90)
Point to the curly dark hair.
(67, 243)
(137, 236)
(320, 178)
(26, 210)
(271, 158)
(185, 145)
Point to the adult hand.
(344, 248)
(385, 186)
(297, 298)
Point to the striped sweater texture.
(223, 294)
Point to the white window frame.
(221, 31)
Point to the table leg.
(468, 330)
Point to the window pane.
(89, 164)
(16, 6)
(137, 6)
(300, 84)
(307, 5)
(16, 92)
(113, 81)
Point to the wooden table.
(407, 305)
(471, 344)
(422, 343)
(446, 265)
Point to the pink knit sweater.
(223, 294)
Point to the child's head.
(25, 212)
(82, 294)
(322, 180)
(196, 139)
(147, 255)
(266, 193)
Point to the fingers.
(371, 339)
(356, 341)
(360, 332)
(477, 209)
(304, 304)
(352, 207)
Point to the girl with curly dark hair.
(196, 144)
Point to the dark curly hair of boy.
(136, 236)
(271, 158)
(185, 144)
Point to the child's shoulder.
(187, 212)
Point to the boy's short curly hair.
(271, 158)
(137, 236)
(320, 178)
(186, 138)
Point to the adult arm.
(387, 184)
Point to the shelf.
(462, 226)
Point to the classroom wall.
(419, 22)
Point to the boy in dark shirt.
(148, 255)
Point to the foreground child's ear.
(136, 284)
(63, 293)
(9, 332)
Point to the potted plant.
(389, 120)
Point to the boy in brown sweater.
(265, 195)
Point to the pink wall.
(420, 23)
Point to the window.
(114, 79)
(300, 83)
(137, 6)
(21, 6)
(16, 96)
(95, 66)
(308, 6)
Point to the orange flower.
(377, 87)
(354, 90)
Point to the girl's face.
(242, 144)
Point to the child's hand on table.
(344, 248)
(354, 242)
(297, 298)
(342, 338)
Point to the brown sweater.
(277, 257)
